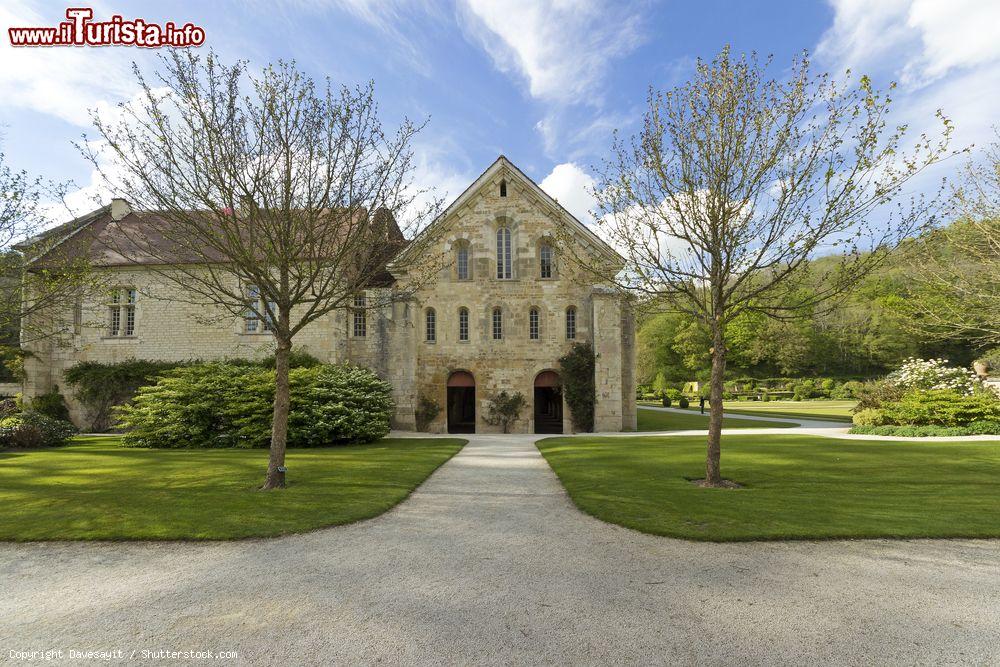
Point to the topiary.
(683, 403)
(666, 401)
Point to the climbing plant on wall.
(577, 373)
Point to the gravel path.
(489, 563)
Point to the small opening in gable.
(503, 188)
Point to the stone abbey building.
(506, 305)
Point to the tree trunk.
(279, 425)
(713, 473)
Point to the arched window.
(571, 322)
(533, 326)
(503, 188)
(497, 324)
(545, 260)
(431, 326)
(463, 324)
(462, 262)
(503, 254)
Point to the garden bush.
(504, 409)
(9, 407)
(51, 404)
(427, 410)
(849, 390)
(100, 387)
(942, 407)
(975, 428)
(869, 417)
(936, 407)
(230, 405)
(683, 402)
(875, 394)
(34, 429)
(929, 374)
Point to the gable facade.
(504, 306)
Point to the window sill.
(133, 337)
(430, 342)
(255, 333)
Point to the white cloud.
(958, 33)
(562, 47)
(944, 55)
(921, 40)
(60, 81)
(573, 188)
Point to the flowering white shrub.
(933, 374)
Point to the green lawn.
(94, 490)
(826, 410)
(656, 420)
(796, 486)
(818, 409)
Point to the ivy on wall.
(577, 374)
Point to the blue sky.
(543, 82)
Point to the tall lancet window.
(504, 271)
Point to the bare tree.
(266, 195)
(738, 180)
(35, 278)
(956, 269)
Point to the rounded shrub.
(33, 429)
(666, 401)
(683, 402)
(231, 405)
(869, 417)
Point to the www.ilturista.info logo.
(79, 30)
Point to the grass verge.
(795, 486)
(659, 420)
(93, 489)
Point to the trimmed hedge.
(936, 407)
(33, 429)
(975, 428)
(230, 405)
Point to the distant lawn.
(818, 409)
(825, 410)
(658, 420)
(95, 490)
(796, 486)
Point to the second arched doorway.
(461, 402)
(548, 403)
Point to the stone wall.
(395, 345)
(513, 362)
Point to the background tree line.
(867, 334)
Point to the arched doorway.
(548, 403)
(461, 402)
